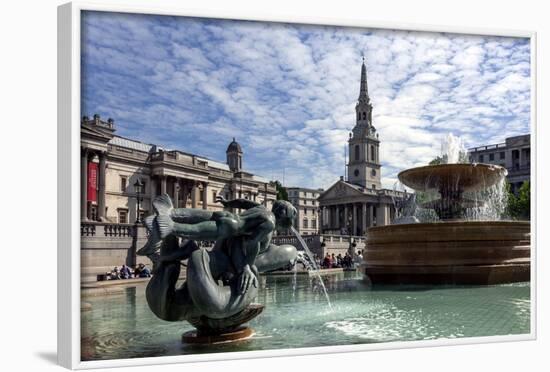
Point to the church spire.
(364, 91)
(363, 108)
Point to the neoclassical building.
(306, 204)
(514, 154)
(111, 165)
(351, 206)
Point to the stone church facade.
(350, 207)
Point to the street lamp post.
(138, 188)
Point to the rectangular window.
(122, 216)
(305, 224)
(502, 155)
(480, 158)
(313, 224)
(491, 157)
(123, 182)
(214, 194)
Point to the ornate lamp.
(138, 189)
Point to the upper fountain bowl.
(464, 177)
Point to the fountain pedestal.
(452, 251)
(459, 252)
(229, 329)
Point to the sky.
(287, 92)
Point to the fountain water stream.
(312, 264)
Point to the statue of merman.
(221, 283)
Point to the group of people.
(125, 272)
(331, 261)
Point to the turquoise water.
(297, 315)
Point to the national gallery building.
(352, 205)
(114, 168)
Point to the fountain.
(222, 283)
(464, 246)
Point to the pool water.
(297, 315)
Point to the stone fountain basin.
(457, 252)
(464, 177)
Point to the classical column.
(101, 201)
(320, 218)
(354, 223)
(84, 184)
(381, 215)
(204, 195)
(176, 193)
(346, 218)
(337, 220)
(194, 195)
(185, 193)
(162, 185)
(363, 218)
(371, 215)
(153, 192)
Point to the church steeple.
(364, 91)
(363, 109)
(364, 145)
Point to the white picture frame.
(69, 185)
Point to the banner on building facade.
(92, 181)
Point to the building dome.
(234, 146)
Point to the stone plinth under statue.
(452, 250)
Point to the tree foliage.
(282, 194)
(519, 206)
(439, 160)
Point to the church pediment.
(340, 190)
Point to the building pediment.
(95, 133)
(339, 190)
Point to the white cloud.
(288, 92)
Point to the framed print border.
(69, 96)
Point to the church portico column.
(346, 218)
(337, 219)
(381, 215)
(371, 215)
(354, 220)
(102, 172)
(84, 184)
(363, 218)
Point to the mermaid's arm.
(190, 215)
(237, 203)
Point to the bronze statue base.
(239, 334)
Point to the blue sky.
(288, 92)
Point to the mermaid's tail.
(162, 205)
(211, 299)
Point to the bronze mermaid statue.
(221, 283)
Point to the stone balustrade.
(89, 229)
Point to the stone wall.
(323, 244)
(105, 245)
